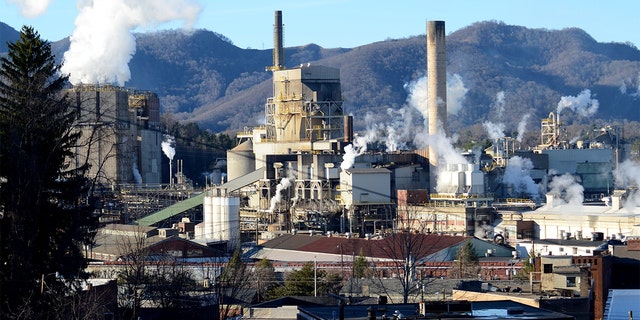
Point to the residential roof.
(392, 247)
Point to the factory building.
(120, 134)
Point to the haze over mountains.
(499, 72)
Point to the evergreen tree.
(303, 282)
(467, 265)
(46, 212)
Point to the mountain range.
(501, 71)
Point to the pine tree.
(46, 212)
(467, 265)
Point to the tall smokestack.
(278, 49)
(437, 88)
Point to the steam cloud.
(168, 146)
(409, 125)
(494, 130)
(567, 190)
(518, 175)
(631, 87)
(284, 184)
(499, 104)
(32, 8)
(583, 104)
(628, 175)
(522, 127)
(351, 151)
(102, 43)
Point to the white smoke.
(456, 93)
(522, 127)
(583, 104)
(499, 104)
(353, 150)
(102, 43)
(137, 177)
(518, 175)
(566, 190)
(494, 130)
(418, 94)
(284, 184)
(168, 146)
(634, 84)
(628, 175)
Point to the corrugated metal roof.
(620, 303)
(392, 247)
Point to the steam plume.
(494, 130)
(522, 127)
(351, 151)
(455, 93)
(284, 184)
(102, 43)
(518, 175)
(628, 175)
(499, 104)
(567, 190)
(168, 146)
(583, 104)
(32, 8)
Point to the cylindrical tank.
(232, 221)
(216, 221)
(207, 216)
(240, 160)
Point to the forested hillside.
(506, 71)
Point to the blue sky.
(350, 23)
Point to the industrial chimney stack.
(437, 88)
(278, 48)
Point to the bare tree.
(234, 286)
(405, 250)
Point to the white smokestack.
(102, 43)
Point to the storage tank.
(216, 219)
(230, 221)
(240, 160)
(207, 209)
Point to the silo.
(240, 160)
(230, 220)
(207, 209)
(215, 222)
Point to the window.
(548, 268)
(575, 250)
(561, 249)
(571, 282)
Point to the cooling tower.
(437, 88)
